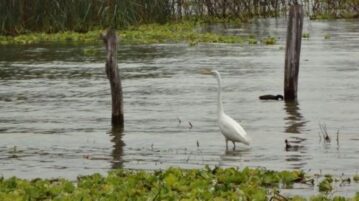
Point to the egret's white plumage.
(231, 129)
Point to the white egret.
(231, 130)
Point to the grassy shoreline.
(171, 184)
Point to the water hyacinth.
(171, 184)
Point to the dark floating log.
(271, 97)
(110, 40)
(292, 53)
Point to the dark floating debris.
(271, 97)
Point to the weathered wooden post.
(292, 54)
(117, 133)
(110, 40)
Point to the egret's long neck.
(219, 98)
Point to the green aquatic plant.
(306, 35)
(356, 178)
(325, 185)
(89, 51)
(186, 32)
(252, 40)
(322, 16)
(327, 36)
(269, 40)
(329, 178)
(297, 198)
(170, 184)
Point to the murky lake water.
(55, 105)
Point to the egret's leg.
(234, 145)
(226, 144)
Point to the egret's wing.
(233, 130)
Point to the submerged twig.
(320, 138)
(179, 121)
(338, 138)
(190, 125)
(324, 131)
(278, 197)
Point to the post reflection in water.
(294, 121)
(294, 126)
(117, 152)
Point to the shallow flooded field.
(55, 105)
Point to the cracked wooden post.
(110, 40)
(292, 53)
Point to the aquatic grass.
(170, 184)
(327, 36)
(186, 32)
(356, 178)
(325, 186)
(74, 37)
(269, 40)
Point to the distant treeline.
(22, 16)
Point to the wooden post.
(118, 144)
(110, 40)
(292, 54)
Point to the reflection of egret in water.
(294, 125)
(117, 152)
(232, 158)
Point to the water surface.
(55, 105)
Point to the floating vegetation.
(270, 40)
(327, 36)
(252, 40)
(186, 31)
(326, 185)
(171, 184)
(90, 51)
(70, 37)
(356, 178)
(306, 35)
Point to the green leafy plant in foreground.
(171, 184)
